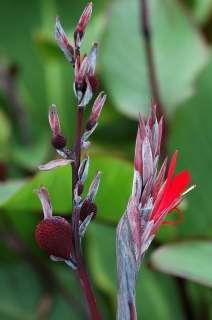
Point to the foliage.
(184, 70)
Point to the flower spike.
(153, 198)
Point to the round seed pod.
(54, 235)
(59, 141)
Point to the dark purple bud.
(80, 188)
(87, 209)
(54, 236)
(63, 42)
(59, 141)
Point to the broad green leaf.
(201, 9)
(123, 61)
(112, 197)
(58, 182)
(31, 156)
(190, 260)
(9, 189)
(20, 292)
(153, 299)
(191, 134)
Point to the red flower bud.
(59, 141)
(54, 235)
(86, 209)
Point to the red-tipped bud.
(54, 236)
(96, 110)
(54, 120)
(59, 141)
(82, 24)
(87, 209)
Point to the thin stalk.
(81, 270)
(133, 313)
(153, 81)
(146, 33)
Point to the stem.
(81, 270)
(146, 33)
(133, 313)
(153, 81)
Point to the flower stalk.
(58, 237)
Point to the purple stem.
(81, 270)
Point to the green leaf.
(191, 133)
(123, 61)
(190, 260)
(20, 292)
(58, 182)
(153, 298)
(31, 156)
(5, 129)
(9, 189)
(201, 10)
(112, 197)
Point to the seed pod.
(54, 235)
(59, 141)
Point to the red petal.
(177, 186)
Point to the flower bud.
(96, 111)
(54, 235)
(82, 24)
(59, 141)
(87, 209)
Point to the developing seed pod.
(54, 235)
(59, 141)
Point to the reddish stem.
(81, 270)
(133, 313)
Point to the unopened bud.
(54, 236)
(96, 111)
(87, 209)
(54, 120)
(82, 24)
(59, 141)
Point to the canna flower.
(154, 197)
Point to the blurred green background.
(175, 282)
